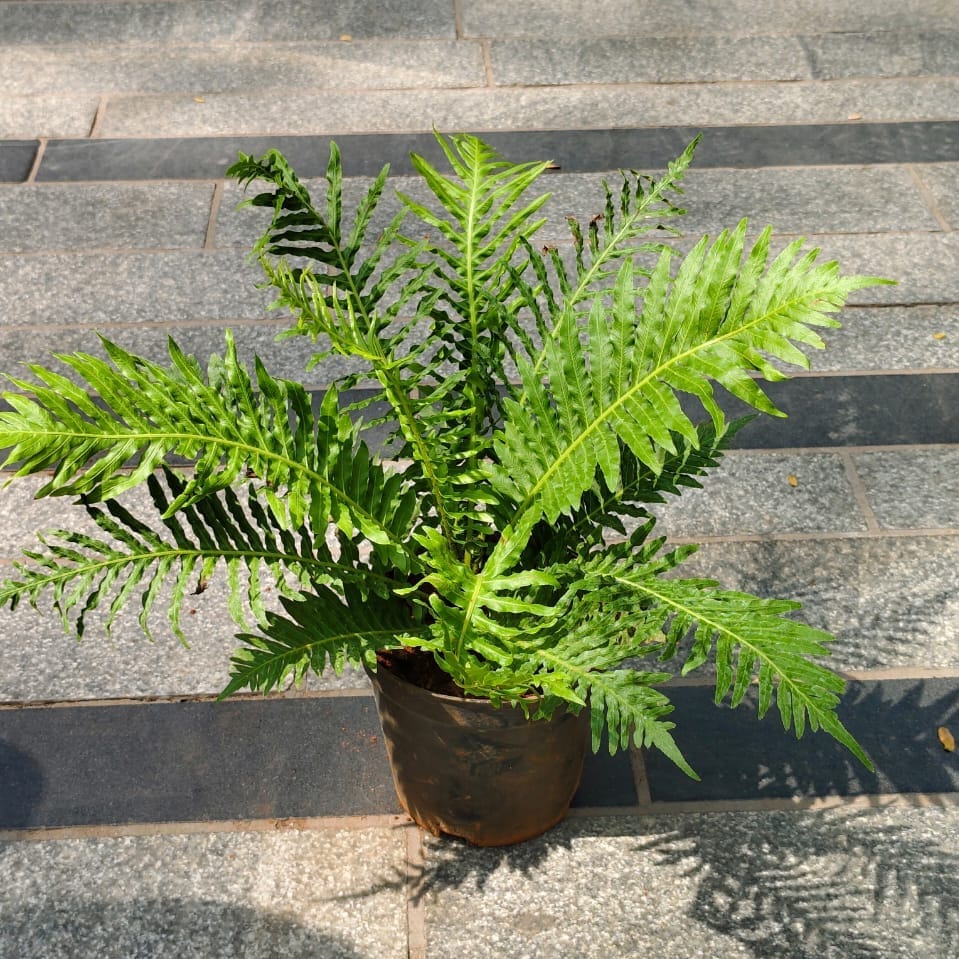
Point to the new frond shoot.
(541, 400)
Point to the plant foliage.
(540, 403)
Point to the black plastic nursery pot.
(465, 768)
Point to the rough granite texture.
(867, 884)
(260, 894)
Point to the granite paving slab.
(523, 108)
(766, 494)
(119, 216)
(647, 59)
(16, 159)
(854, 410)
(154, 157)
(204, 21)
(59, 115)
(315, 756)
(942, 181)
(898, 53)
(611, 18)
(914, 489)
(97, 288)
(330, 893)
(925, 266)
(215, 68)
(890, 601)
(893, 338)
(838, 884)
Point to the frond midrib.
(637, 387)
(225, 443)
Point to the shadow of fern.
(874, 883)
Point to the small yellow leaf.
(947, 739)
(854, 116)
(198, 100)
(938, 336)
(792, 480)
(345, 37)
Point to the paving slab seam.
(205, 827)
(928, 197)
(415, 906)
(364, 692)
(900, 800)
(825, 535)
(859, 492)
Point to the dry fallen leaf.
(854, 116)
(947, 739)
(345, 37)
(938, 336)
(198, 100)
(792, 480)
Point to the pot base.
(465, 768)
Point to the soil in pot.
(465, 768)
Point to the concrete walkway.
(137, 818)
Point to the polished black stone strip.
(883, 409)
(264, 759)
(895, 721)
(869, 410)
(16, 159)
(571, 150)
(206, 761)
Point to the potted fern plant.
(498, 573)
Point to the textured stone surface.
(742, 757)
(116, 216)
(925, 266)
(894, 54)
(942, 179)
(150, 762)
(47, 116)
(100, 288)
(701, 17)
(754, 493)
(891, 601)
(645, 59)
(198, 21)
(589, 107)
(16, 159)
(218, 68)
(873, 884)
(891, 338)
(911, 489)
(797, 200)
(297, 894)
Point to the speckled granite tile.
(296, 894)
(118, 216)
(766, 493)
(97, 288)
(942, 180)
(912, 489)
(597, 106)
(893, 338)
(873, 884)
(892, 602)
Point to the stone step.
(119, 764)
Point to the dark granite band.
(572, 150)
(263, 759)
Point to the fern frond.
(179, 552)
(715, 321)
(225, 425)
(755, 642)
(320, 629)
